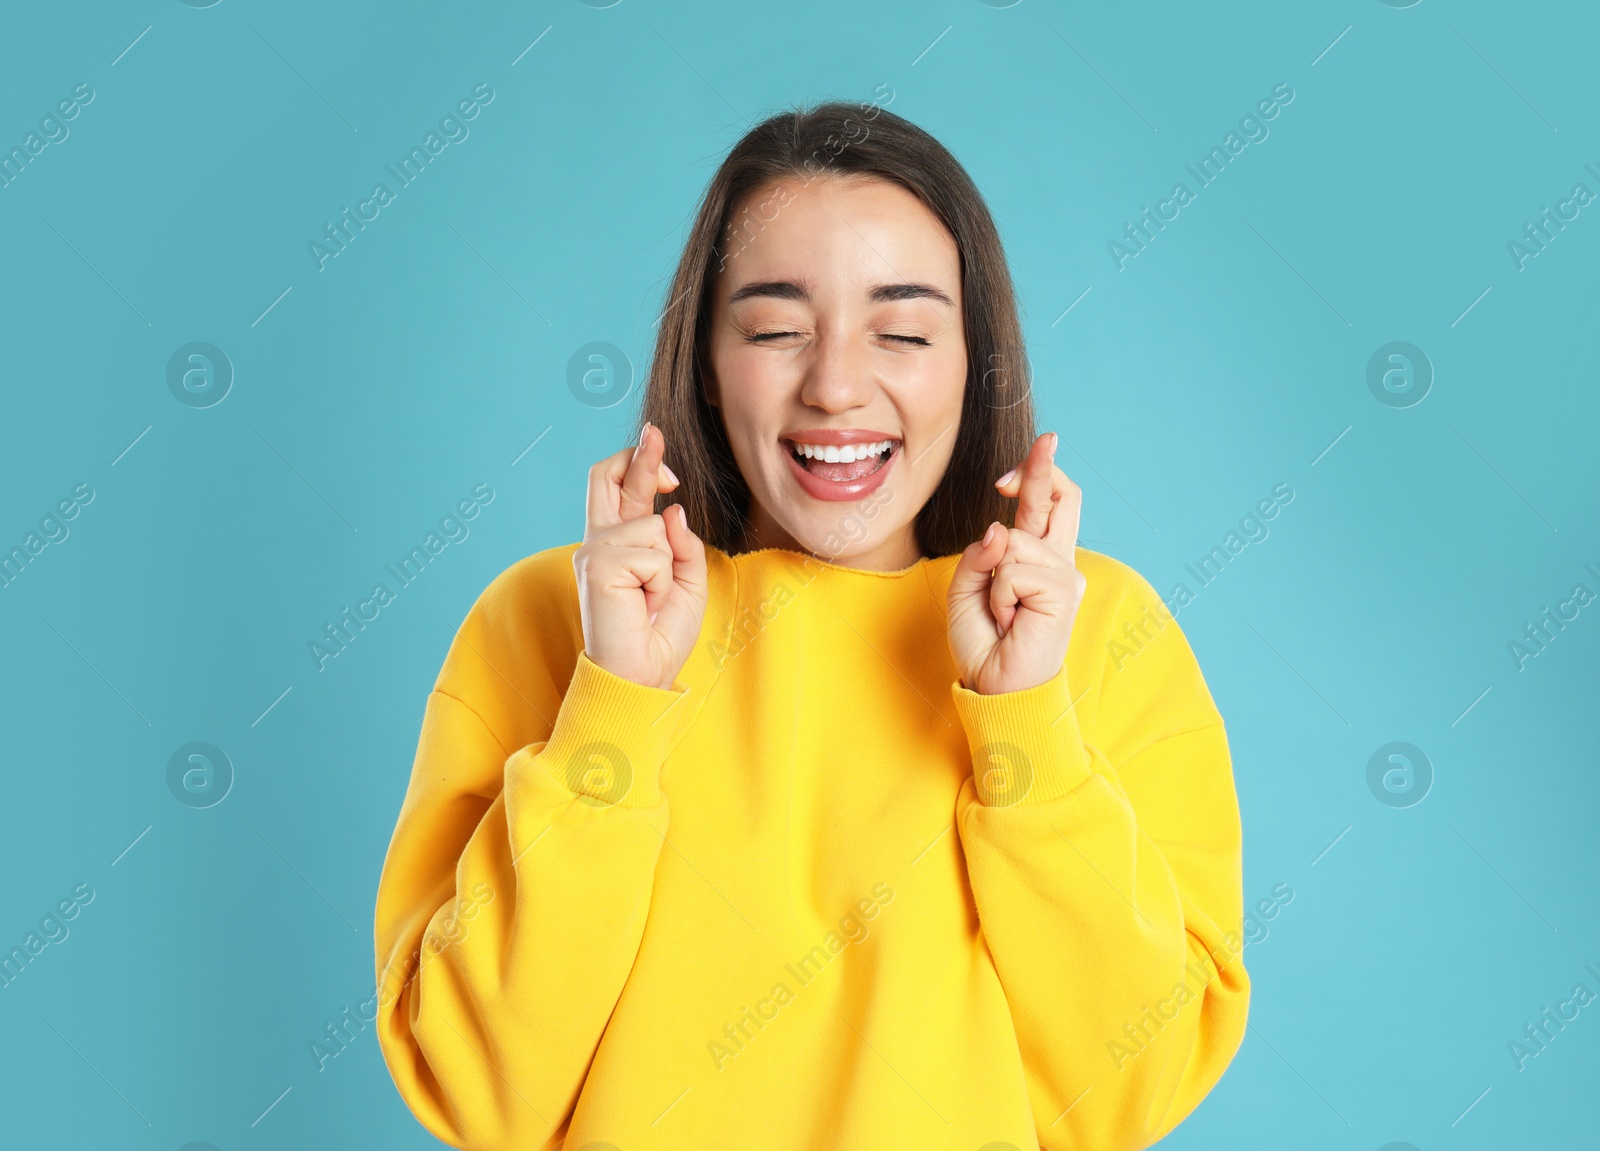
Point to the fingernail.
(1005, 479)
(668, 470)
(988, 536)
(642, 431)
(1053, 440)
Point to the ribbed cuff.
(1026, 745)
(611, 735)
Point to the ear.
(708, 385)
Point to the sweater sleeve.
(1107, 877)
(510, 909)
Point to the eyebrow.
(879, 294)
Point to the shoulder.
(1116, 595)
(1114, 583)
(1127, 641)
(537, 585)
(514, 653)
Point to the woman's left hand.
(1014, 594)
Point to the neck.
(895, 553)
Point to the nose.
(839, 376)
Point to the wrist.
(611, 736)
(1027, 746)
(638, 676)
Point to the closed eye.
(762, 337)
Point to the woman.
(841, 801)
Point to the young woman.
(841, 801)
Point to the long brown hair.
(838, 139)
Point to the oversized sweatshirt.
(818, 893)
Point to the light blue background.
(426, 358)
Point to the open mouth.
(843, 464)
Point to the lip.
(835, 436)
(819, 488)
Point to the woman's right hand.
(642, 585)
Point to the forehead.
(833, 233)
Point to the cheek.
(749, 365)
(754, 387)
(933, 387)
(745, 371)
(750, 403)
(952, 380)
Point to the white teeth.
(849, 453)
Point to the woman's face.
(838, 326)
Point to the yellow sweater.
(773, 907)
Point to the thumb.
(972, 572)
